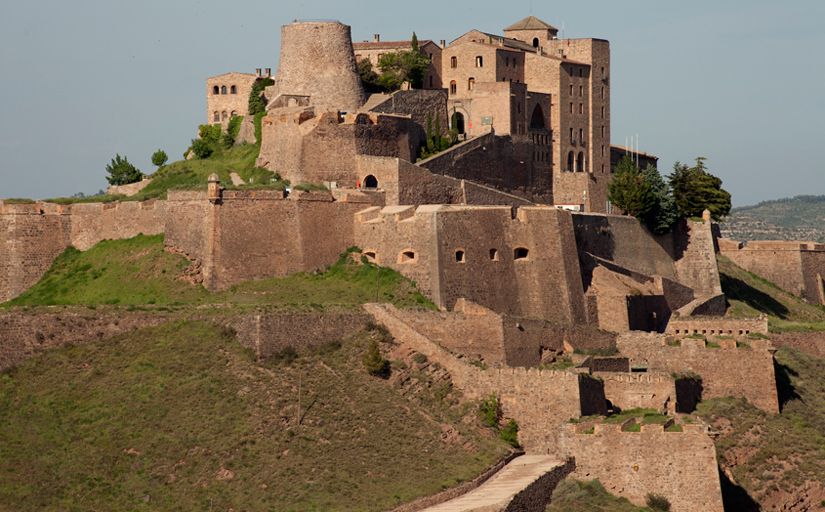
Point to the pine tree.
(695, 190)
(122, 172)
(630, 191)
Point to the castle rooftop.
(530, 23)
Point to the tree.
(159, 158)
(257, 102)
(375, 363)
(630, 191)
(664, 214)
(696, 190)
(369, 78)
(122, 172)
(404, 66)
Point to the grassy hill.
(180, 417)
(796, 218)
(138, 271)
(750, 295)
(577, 496)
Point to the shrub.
(234, 127)
(201, 148)
(509, 433)
(257, 102)
(489, 411)
(657, 502)
(122, 172)
(159, 158)
(375, 363)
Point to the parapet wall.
(746, 372)
(681, 466)
(718, 326)
(796, 267)
(651, 390)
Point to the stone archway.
(370, 182)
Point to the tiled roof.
(530, 23)
(387, 45)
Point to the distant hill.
(796, 218)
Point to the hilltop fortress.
(509, 233)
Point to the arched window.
(233, 114)
(224, 116)
(453, 87)
(479, 61)
(570, 158)
(457, 122)
(216, 90)
(233, 90)
(520, 253)
(537, 119)
(535, 42)
(453, 62)
(216, 117)
(370, 182)
(580, 162)
(223, 89)
(471, 82)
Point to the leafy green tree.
(159, 158)
(630, 190)
(257, 102)
(695, 190)
(404, 66)
(664, 214)
(122, 172)
(369, 78)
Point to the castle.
(509, 233)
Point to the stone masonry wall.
(737, 327)
(680, 466)
(646, 390)
(726, 371)
(540, 401)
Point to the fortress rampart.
(681, 466)
(717, 326)
(651, 390)
(723, 369)
(796, 267)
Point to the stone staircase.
(523, 485)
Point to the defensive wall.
(718, 326)
(796, 267)
(33, 235)
(727, 369)
(649, 390)
(480, 335)
(540, 400)
(523, 265)
(27, 332)
(681, 466)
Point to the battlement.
(727, 244)
(719, 326)
(635, 378)
(609, 429)
(33, 208)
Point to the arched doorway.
(580, 162)
(457, 122)
(370, 182)
(537, 119)
(535, 42)
(570, 159)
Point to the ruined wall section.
(425, 107)
(653, 390)
(723, 369)
(680, 466)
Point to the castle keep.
(509, 233)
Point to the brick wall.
(745, 372)
(680, 466)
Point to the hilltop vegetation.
(796, 218)
(577, 496)
(180, 417)
(138, 271)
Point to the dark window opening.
(535, 42)
(459, 256)
(216, 90)
(537, 120)
(223, 89)
(407, 257)
(233, 90)
(457, 122)
(370, 182)
(520, 253)
(494, 254)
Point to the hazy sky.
(742, 83)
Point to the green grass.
(775, 451)
(180, 417)
(578, 496)
(97, 198)
(138, 271)
(632, 413)
(750, 295)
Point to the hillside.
(180, 417)
(796, 218)
(138, 271)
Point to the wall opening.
(459, 256)
(224, 116)
(535, 42)
(216, 117)
(370, 182)
(479, 61)
(223, 89)
(471, 82)
(453, 62)
(494, 254)
(570, 158)
(233, 90)
(520, 253)
(406, 257)
(580, 162)
(371, 256)
(453, 87)
(457, 122)
(537, 119)
(216, 90)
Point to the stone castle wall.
(745, 372)
(652, 390)
(796, 267)
(681, 466)
(539, 400)
(719, 326)
(33, 235)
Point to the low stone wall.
(536, 496)
(746, 372)
(130, 189)
(681, 466)
(720, 326)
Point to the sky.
(740, 83)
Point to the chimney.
(376, 38)
(258, 72)
(443, 43)
(268, 72)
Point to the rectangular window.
(581, 108)
(581, 135)
(571, 107)
(581, 91)
(602, 92)
(602, 112)
(602, 131)
(571, 89)
(572, 138)
(602, 71)
(602, 150)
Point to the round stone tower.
(317, 60)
